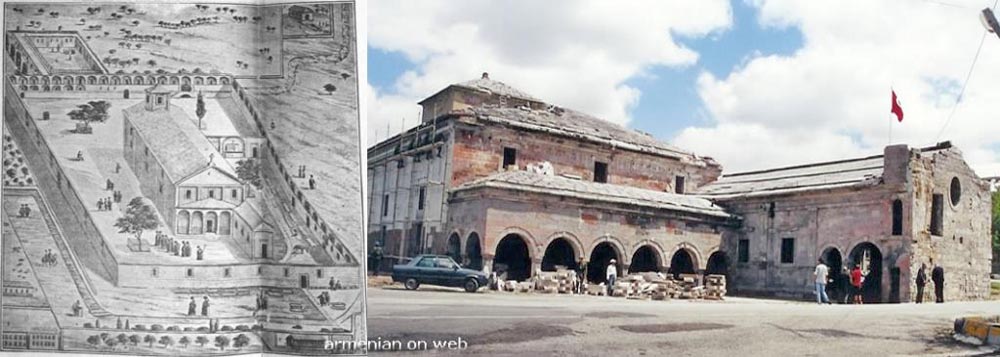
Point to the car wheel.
(411, 284)
(471, 285)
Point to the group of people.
(937, 276)
(116, 196)
(49, 259)
(855, 281)
(324, 298)
(193, 307)
(177, 247)
(104, 204)
(24, 211)
(261, 301)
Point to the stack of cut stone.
(560, 281)
(715, 287)
(596, 289)
(688, 286)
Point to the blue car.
(437, 270)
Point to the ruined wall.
(541, 219)
(963, 248)
(234, 275)
(479, 150)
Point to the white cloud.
(576, 54)
(831, 98)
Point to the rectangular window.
(260, 270)
(190, 272)
(319, 273)
(211, 193)
(897, 217)
(234, 193)
(600, 172)
(155, 272)
(420, 200)
(385, 205)
(226, 272)
(287, 272)
(788, 250)
(679, 184)
(937, 214)
(509, 157)
(743, 251)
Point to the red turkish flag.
(896, 109)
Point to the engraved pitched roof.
(527, 181)
(174, 141)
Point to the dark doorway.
(263, 251)
(473, 252)
(210, 227)
(559, 253)
(304, 281)
(599, 260)
(413, 246)
(869, 258)
(681, 263)
(894, 285)
(718, 264)
(509, 157)
(512, 261)
(836, 289)
(125, 94)
(455, 248)
(645, 259)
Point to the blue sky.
(752, 83)
(669, 101)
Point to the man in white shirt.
(611, 275)
(821, 273)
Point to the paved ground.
(523, 325)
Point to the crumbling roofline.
(938, 146)
(812, 174)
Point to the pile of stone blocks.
(561, 281)
(715, 287)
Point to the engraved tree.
(248, 170)
(138, 216)
(200, 109)
(329, 88)
(201, 341)
(221, 342)
(93, 111)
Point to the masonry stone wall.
(233, 275)
(963, 249)
(541, 219)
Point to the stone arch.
(79, 87)
(115, 81)
(23, 88)
(57, 80)
(601, 254)
(68, 80)
(211, 222)
(225, 221)
(871, 265)
(174, 80)
(646, 258)
(571, 238)
(139, 80)
(33, 80)
(80, 80)
(197, 220)
(224, 80)
(692, 250)
(183, 222)
(684, 260)
(162, 80)
(512, 257)
(91, 80)
(69, 87)
(127, 80)
(528, 238)
(104, 80)
(45, 88)
(561, 251)
(212, 81)
(718, 263)
(45, 80)
(474, 251)
(199, 81)
(232, 145)
(455, 247)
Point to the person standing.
(821, 273)
(192, 307)
(856, 279)
(611, 275)
(845, 284)
(204, 307)
(921, 282)
(937, 276)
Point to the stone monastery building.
(505, 182)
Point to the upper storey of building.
(493, 126)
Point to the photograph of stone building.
(502, 181)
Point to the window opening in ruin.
(509, 157)
(718, 264)
(385, 205)
(937, 214)
(869, 258)
(455, 247)
(770, 210)
(956, 191)
(679, 184)
(473, 252)
(600, 172)
(788, 250)
(600, 257)
(897, 217)
(420, 198)
(743, 250)
(190, 272)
